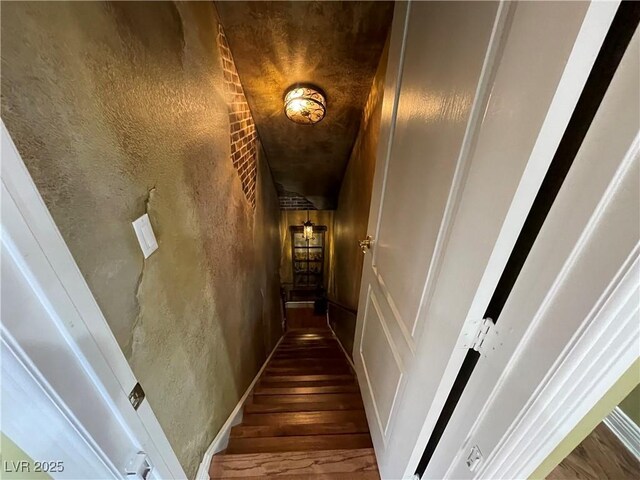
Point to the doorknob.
(366, 243)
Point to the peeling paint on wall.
(120, 109)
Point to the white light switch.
(146, 237)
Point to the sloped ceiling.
(334, 45)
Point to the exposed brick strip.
(242, 134)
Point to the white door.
(572, 317)
(51, 405)
(477, 97)
(65, 382)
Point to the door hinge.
(479, 335)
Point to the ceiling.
(334, 45)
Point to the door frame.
(90, 339)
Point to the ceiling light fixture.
(307, 231)
(305, 104)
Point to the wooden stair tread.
(308, 398)
(307, 361)
(267, 383)
(306, 378)
(306, 390)
(329, 476)
(302, 407)
(246, 431)
(324, 462)
(239, 445)
(303, 418)
(297, 370)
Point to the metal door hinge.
(139, 467)
(479, 335)
(474, 459)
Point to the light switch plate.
(146, 237)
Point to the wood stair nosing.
(260, 390)
(303, 418)
(303, 464)
(248, 431)
(270, 378)
(308, 398)
(267, 383)
(238, 445)
(302, 407)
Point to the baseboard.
(625, 429)
(221, 440)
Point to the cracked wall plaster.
(118, 108)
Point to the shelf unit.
(307, 256)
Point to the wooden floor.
(304, 418)
(600, 456)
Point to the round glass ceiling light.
(305, 104)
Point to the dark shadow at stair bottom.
(304, 419)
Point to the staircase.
(304, 419)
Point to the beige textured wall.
(118, 109)
(352, 214)
(297, 217)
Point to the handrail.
(352, 311)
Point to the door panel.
(589, 236)
(439, 79)
(471, 118)
(437, 52)
(381, 364)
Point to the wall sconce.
(305, 104)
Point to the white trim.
(625, 429)
(46, 254)
(592, 363)
(221, 440)
(595, 358)
(579, 64)
(23, 384)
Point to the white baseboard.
(221, 440)
(625, 429)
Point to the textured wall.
(352, 214)
(120, 109)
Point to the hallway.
(318, 239)
(304, 419)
